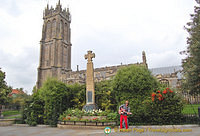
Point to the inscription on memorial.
(89, 96)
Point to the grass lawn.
(11, 112)
(191, 109)
(13, 117)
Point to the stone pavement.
(136, 131)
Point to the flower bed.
(88, 123)
(92, 118)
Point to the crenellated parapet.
(50, 12)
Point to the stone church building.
(55, 54)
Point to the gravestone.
(90, 94)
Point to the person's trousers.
(123, 124)
(125, 120)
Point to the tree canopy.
(104, 95)
(4, 89)
(57, 98)
(191, 64)
(133, 82)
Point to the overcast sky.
(117, 31)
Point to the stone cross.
(89, 56)
(90, 97)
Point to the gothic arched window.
(48, 30)
(61, 29)
(165, 82)
(54, 28)
(65, 32)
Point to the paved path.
(43, 131)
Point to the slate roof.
(167, 70)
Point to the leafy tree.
(4, 89)
(34, 89)
(104, 95)
(191, 65)
(33, 110)
(19, 100)
(165, 108)
(133, 82)
(51, 100)
(78, 95)
(57, 97)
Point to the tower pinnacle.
(59, 7)
(144, 58)
(47, 6)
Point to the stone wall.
(170, 80)
(100, 74)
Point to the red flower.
(153, 94)
(160, 97)
(165, 91)
(64, 118)
(68, 118)
(158, 91)
(153, 98)
(169, 90)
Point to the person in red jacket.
(124, 110)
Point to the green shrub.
(133, 82)
(57, 98)
(33, 111)
(78, 95)
(51, 100)
(159, 109)
(166, 107)
(112, 116)
(104, 96)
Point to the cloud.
(20, 33)
(11, 7)
(20, 70)
(164, 59)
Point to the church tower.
(55, 45)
